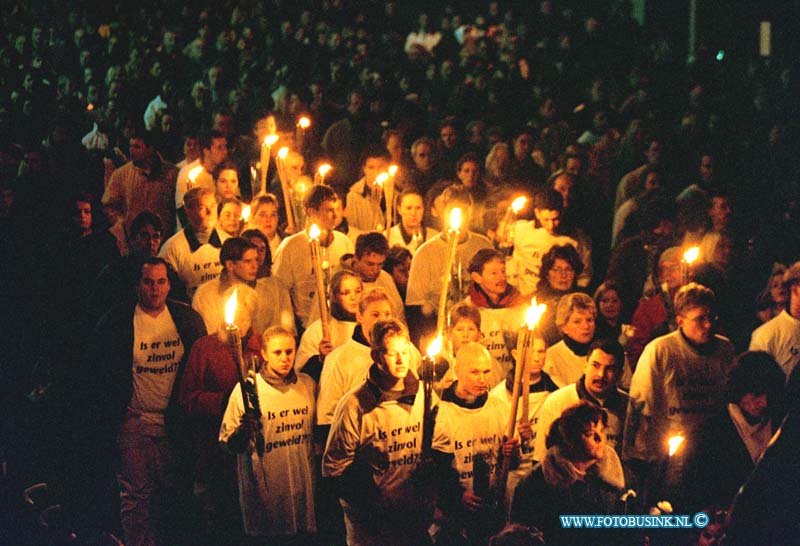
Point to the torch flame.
(534, 313)
(674, 443)
(314, 232)
(283, 152)
(518, 203)
(381, 179)
(194, 173)
(392, 170)
(230, 308)
(246, 213)
(455, 219)
(435, 347)
(304, 122)
(269, 140)
(324, 169)
(691, 255)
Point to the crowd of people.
(260, 217)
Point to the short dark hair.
(146, 218)
(226, 201)
(466, 311)
(152, 260)
(694, 295)
(469, 157)
(611, 347)
(317, 195)
(397, 255)
(548, 199)
(374, 150)
(206, 138)
(483, 257)
(566, 431)
(655, 208)
(371, 242)
(755, 372)
(251, 233)
(559, 252)
(456, 193)
(234, 248)
(384, 329)
(148, 137)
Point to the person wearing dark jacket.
(580, 474)
(134, 366)
(732, 441)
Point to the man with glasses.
(678, 384)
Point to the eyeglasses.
(702, 319)
(564, 271)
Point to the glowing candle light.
(246, 214)
(316, 260)
(689, 257)
(506, 234)
(674, 443)
(322, 172)
(283, 153)
(266, 152)
(452, 243)
(524, 342)
(304, 122)
(518, 203)
(193, 174)
(230, 309)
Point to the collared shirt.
(135, 190)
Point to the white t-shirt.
(276, 490)
(530, 244)
(293, 268)
(193, 268)
(157, 352)
(427, 269)
(674, 390)
(554, 406)
(780, 337)
(384, 281)
(562, 365)
(341, 331)
(467, 433)
(494, 322)
(346, 368)
(396, 238)
(183, 184)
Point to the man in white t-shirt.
(533, 238)
(678, 384)
(239, 258)
(367, 263)
(470, 430)
(429, 263)
(598, 385)
(193, 252)
(213, 152)
(346, 366)
(780, 336)
(137, 354)
(293, 266)
(365, 211)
